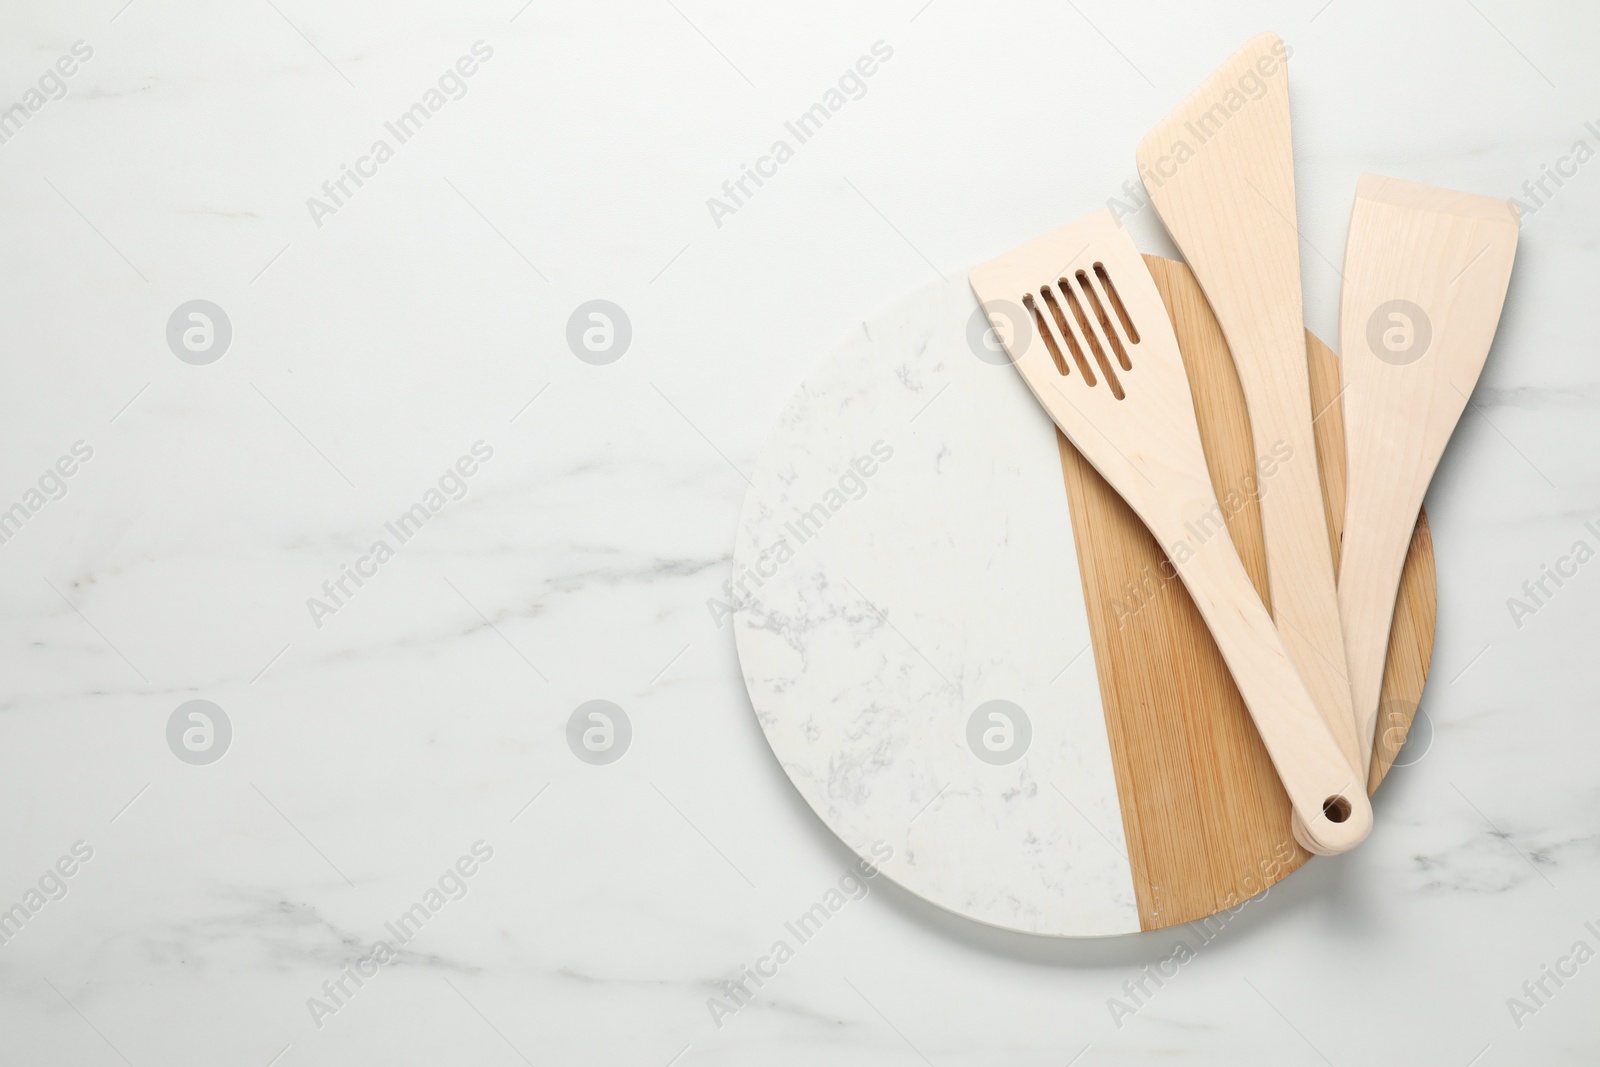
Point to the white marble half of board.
(908, 555)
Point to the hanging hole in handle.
(1336, 808)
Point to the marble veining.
(586, 561)
(940, 576)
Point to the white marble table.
(407, 852)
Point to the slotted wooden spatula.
(1425, 276)
(1220, 171)
(1090, 336)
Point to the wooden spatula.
(1425, 275)
(1092, 340)
(1220, 171)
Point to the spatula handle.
(1329, 799)
(1373, 557)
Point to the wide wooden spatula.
(1425, 275)
(1084, 323)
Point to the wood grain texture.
(1206, 820)
(1091, 293)
(1220, 172)
(1425, 277)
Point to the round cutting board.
(965, 648)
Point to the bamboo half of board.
(1206, 821)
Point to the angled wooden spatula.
(1425, 276)
(1084, 323)
(1220, 171)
